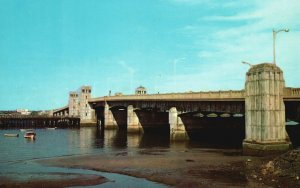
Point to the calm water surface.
(86, 140)
(18, 154)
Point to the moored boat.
(11, 135)
(30, 134)
(23, 130)
(51, 128)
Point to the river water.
(18, 155)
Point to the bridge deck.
(290, 94)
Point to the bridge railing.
(291, 92)
(61, 109)
(232, 94)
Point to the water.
(18, 155)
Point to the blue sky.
(51, 47)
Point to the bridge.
(31, 121)
(260, 111)
(221, 101)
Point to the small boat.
(23, 130)
(51, 128)
(30, 134)
(11, 135)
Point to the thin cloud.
(191, 2)
(241, 17)
(127, 67)
(224, 47)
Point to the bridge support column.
(177, 129)
(109, 120)
(133, 123)
(265, 111)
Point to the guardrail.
(190, 96)
(292, 92)
(231, 94)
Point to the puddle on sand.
(34, 171)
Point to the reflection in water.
(133, 140)
(109, 137)
(120, 139)
(59, 142)
(155, 139)
(17, 153)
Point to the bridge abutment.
(109, 120)
(265, 111)
(177, 129)
(133, 123)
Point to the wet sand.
(179, 168)
(53, 180)
(176, 168)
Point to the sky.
(51, 47)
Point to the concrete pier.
(265, 111)
(177, 129)
(109, 122)
(133, 123)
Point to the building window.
(86, 97)
(83, 91)
(86, 105)
(85, 114)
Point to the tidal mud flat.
(193, 168)
(53, 180)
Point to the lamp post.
(274, 41)
(246, 63)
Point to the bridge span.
(219, 102)
(261, 109)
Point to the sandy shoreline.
(64, 180)
(186, 168)
(176, 168)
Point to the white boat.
(23, 130)
(11, 135)
(51, 128)
(30, 134)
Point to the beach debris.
(268, 168)
(189, 160)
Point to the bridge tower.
(265, 111)
(73, 104)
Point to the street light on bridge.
(274, 40)
(246, 63)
